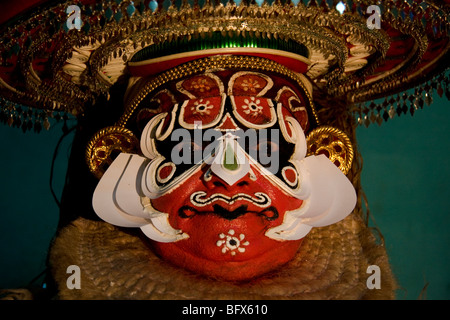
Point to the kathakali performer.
(215, 153)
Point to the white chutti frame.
(327, 194)
(123, 195)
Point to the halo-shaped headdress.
(355, 61)
(60, 56)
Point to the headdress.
(58, 58)
(356, 62)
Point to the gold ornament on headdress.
(334, 144)
(106, 144)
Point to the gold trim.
(334, 143)
(211, 64)
(104, 142)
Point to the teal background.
(28, 213)
(405, 177)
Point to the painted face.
(224, 188)
(224, 174)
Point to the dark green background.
(406, 178)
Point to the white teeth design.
(231, 243)
(292, 228)
(161, 231)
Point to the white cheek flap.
(118, 200)
(330, 198)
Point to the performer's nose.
(212, 181)
(230, 163)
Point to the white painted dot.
(219, 243)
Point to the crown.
(60, 57)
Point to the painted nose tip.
(230, 163)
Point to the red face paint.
(226, 222)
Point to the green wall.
(405, 176)
(28, 212)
